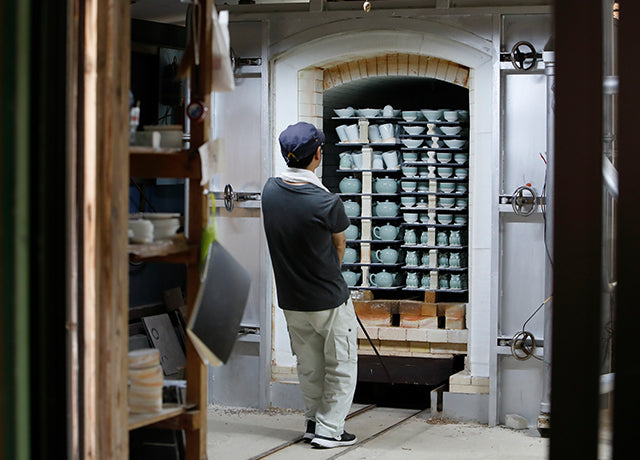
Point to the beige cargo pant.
(325, 345)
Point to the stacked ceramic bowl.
(140, 230)
(165, 224)
(145, 380)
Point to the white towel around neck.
(302, 175)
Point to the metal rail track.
(348, 449)
(375, 435)
(284, 445)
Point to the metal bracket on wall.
(230, 197)
(237, 61)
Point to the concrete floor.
(235, 433)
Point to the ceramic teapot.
(411, 258)
(351, 278)
(412, 279)
(350, 256)
(387, 256)
(350, 185)
(352, 232)
(387, 209)
(387, 232)
(381, 279)
(385, 185)
(351, 208)
(346, 162)
(455, 282)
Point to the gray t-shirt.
(299, 221)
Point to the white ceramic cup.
(353, 133)
(390, 159)
(386, 131)
(357, 160)
(378, 162)
(342, 133)
(374, 133)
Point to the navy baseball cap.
(300, 141)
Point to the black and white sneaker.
(326, 442)
(311, 431)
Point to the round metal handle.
(522, 60)
(229, 197)
(524, 205)
(520, 349)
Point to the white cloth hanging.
(302, 175)
(222, 72)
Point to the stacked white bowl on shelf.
(165, 224)
(140, 230)
(145, 381)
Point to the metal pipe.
(545, 404)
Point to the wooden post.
(196, 371)
(102, 153)
(112, 204)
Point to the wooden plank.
(111, 216)
(189, 421)
(154, 164)
(169, 410)
(174, 250)
(88, 122)
(196, 371)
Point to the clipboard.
(219, 307)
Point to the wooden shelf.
(175, 250)
(173, 163)
(169, 410)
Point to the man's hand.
(340, 242)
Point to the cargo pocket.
(346, 347)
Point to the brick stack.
(464, 382)
(412, 328)
(145, 380)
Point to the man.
(305, 224)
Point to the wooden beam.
(103, 130)
(188, 421)
(87, 188)
(181, 164)
(196, 371)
